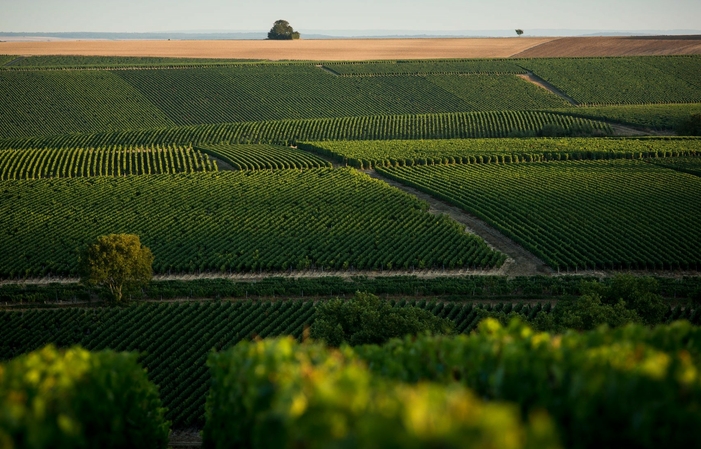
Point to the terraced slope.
(615, 214)
(232, 221)
(44, 103)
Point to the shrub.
(366, 319)
(280, 394)
(77, 399)
(629, 387)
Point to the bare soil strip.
(306, 50)
(540, 82)
(614, 46)
(520, 261)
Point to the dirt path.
(520, 261)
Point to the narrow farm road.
(520, 262)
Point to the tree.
(282, 31)
(118, 262)
(519, 31)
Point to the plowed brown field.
(614, 46)
(370, 49)
(310, 50)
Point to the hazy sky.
(258, 15)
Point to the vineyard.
(637, 80)
(397, 153)
(77, 62)
(655, 116)
(111, 161)
(233, 221)
(177, 338)
(430, 126)
(48, 101)
(264, 157)
(42, 103)
(454, 67)
(487, 93)
(4, 59)
(275, 92)
(691, 165)
(615, 214)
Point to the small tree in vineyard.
(117, 262)
(282, 31)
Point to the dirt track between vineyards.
(519, 263)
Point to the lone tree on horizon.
(519, 31)
(282, 31)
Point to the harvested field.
(326, 50)
(614, 46)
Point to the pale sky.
(318, 15)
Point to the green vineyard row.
(233, 221)
(691, 165)
(276, 92)
(632, 80)
(506, 92)
(654, 116)
(109, 62)
(110, 161)
(45, 103)
(264, 157)
(176, 338)
(614, 214)
(397, 153)
(52, 102)
(429, 126)
(394, 68)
